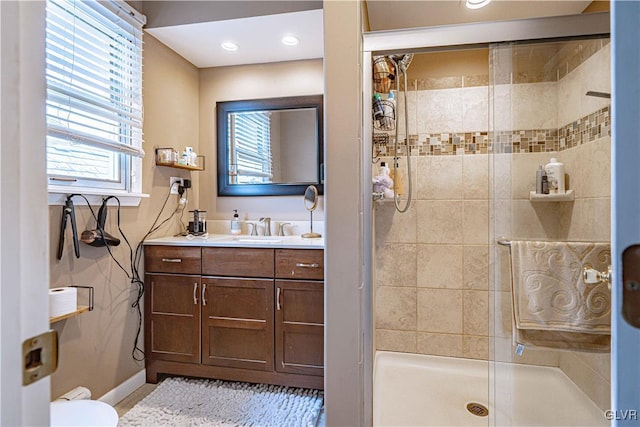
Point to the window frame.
(128, 186)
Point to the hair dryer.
(99, 237)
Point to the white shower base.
(419, 390)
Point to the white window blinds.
(251, 161)
(94, 88)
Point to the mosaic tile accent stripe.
(586, 129)
(589, 128)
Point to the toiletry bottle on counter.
(555, 176)
(235, 223)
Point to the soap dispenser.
(235, 223)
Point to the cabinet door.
(237, 323)
(172, 317)
(300, 327)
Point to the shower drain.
(477, 409)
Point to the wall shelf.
(179, 166)
(81, 308)
(197, 168)
(567, 196)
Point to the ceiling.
(259, 36)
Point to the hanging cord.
(396, 198)
(137, 353)
(134, 259)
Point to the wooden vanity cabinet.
(240, 314)
(300, 311)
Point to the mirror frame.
(223, 109)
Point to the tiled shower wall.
(432, 263)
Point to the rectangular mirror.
(270, 147)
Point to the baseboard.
(125, 389)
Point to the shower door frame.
(433, 39)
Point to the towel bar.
(504, 242)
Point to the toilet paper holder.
(90, 288)
(79, 308)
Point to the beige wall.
(251, 82)
(95, 347)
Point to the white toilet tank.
(74, 413)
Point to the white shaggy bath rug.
(198, 402)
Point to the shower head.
(402, 61)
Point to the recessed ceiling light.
(290, 40)
(477, 4)
(230, 46)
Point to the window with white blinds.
(250, 153)
(94, 93)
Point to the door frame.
(24, 212)
(625, 203)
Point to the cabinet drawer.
(300, 264)
(172, 259)
(239, 262)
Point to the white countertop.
(240, 241)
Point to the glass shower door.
(549, 100)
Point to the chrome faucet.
(254, 229)
(267, 225)
(281, 228)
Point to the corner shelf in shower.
(567, 196)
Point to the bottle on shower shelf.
(396, 175)
(382, 183)
(555, 176)
(541, 176)
(389, 109)
(378, 108)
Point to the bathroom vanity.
(236, 308)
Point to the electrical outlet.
(174, 188)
